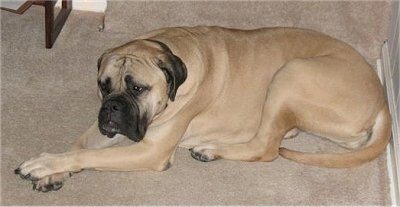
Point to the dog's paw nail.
(201, 157)
(57, 186)
(17, 171)
(25, 177)
(40, 188)
(34, 179)
(29, 177)
(49, 187)
(43, 189)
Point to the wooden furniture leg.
(53, 25)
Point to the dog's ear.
(175, 73)
(99, 62)
(101, 59)
(174, 69)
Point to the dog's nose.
(112, 106)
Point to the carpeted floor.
(48, 98)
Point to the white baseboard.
(393, 149)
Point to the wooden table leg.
(54, 26)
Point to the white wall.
(88, 5)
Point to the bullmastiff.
(225, 94)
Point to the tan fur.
(244, 92)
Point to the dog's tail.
(381, 133)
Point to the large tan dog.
(225, 94)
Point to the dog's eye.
(105, 86)
(138, 89)
(134, 87)
(104, 89)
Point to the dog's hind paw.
(203, 153)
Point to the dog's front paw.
(51, 183)
(46, 164)
(204, 153)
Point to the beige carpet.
(48, 98)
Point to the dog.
(225, 94)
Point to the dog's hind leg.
(277, 121)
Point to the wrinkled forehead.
(138, 58)
(117, 66)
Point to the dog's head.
(136, 81)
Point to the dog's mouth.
(110, 129)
